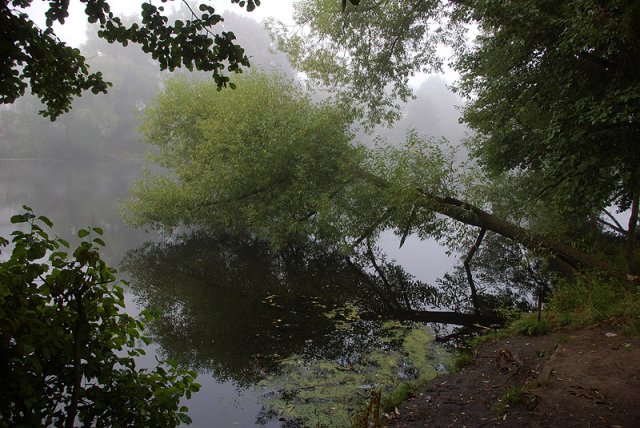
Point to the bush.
(66, 348)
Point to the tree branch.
(385, 300)
(467, 268)
(374, 226)
(631, 237)
(618, 227)
(613, 227)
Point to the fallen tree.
(570, 258)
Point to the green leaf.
(45, 220)
(18, 218)
(83, 233)
(184, 418)
(58, 255)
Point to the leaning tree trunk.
(467, 268)
(632, 234)
(467, 213)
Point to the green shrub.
(66, 348)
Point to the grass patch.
(578, 303)
(463, 359)
(512, 396)
(529, 325)
(596, 301)
(402, 392)
(488, 336)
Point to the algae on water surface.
(328, 393)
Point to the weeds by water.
(400, 393)
(594, 301)
(370, 414)
(463, 359)
(581, 302)
(530, 326)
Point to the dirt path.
(574, 378)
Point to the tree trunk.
(632, 234)
(469, 214)
(455, 318)
(467, 268)
(78, 335)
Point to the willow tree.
(266, 159)
(262, 157)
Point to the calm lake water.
(274, 336)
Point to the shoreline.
(568, 377)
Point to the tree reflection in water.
(235, 308)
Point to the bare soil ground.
(574, 378)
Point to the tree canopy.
(106, 125)
(262, 157)
(555, 96)
(55, 72)
(366, 51)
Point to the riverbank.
(570, 377)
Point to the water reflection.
(233, 307)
